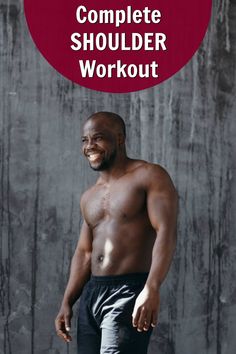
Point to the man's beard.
(106, 163)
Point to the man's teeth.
(93, 157)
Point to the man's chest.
(121, 202)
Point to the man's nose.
(90, 143)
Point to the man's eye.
(98, 138)
(83, 140)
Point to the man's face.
(99, 144)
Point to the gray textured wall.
(187, 124)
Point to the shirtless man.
(125, 248)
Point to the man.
(125, 247)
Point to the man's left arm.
(162, 201)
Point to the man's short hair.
(116, 119)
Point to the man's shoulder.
(149, 170)
(151, 176)
(86, 194)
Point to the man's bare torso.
(116, 213)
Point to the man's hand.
(62, 322)
(146, 309)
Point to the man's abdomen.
(122, 248)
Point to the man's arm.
(162, 203)
(79, 274)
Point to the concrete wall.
(187, 124)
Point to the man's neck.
(116, 171)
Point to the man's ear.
(121, 139)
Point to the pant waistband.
(120, 279)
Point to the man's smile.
(93, 155)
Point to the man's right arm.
(79, 274)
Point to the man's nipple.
(100, 258)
